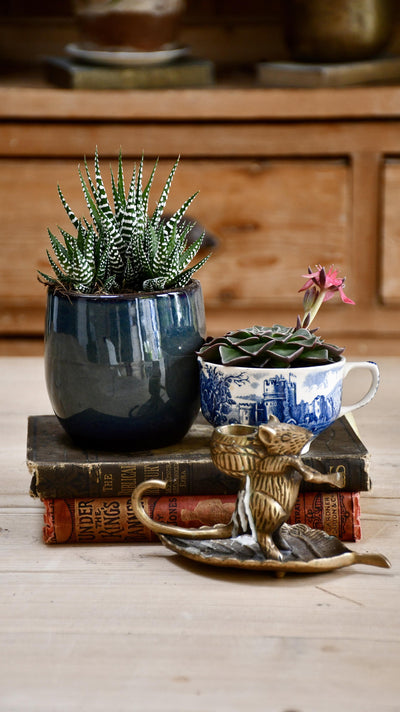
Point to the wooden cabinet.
(287, 178)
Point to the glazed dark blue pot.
(121, 370)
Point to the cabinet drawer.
(272, 219)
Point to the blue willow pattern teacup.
(309, 396)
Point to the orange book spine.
(338, 513)
(111, 520)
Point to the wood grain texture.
(19, 99)
(21, 139)
(263, 213)
(133, 627)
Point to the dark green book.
(380, 70)
(185, 72)
(61, 469)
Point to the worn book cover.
(185, 72)
(61, 469)
(111, 520)
(379, 70)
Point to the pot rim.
(123, 296)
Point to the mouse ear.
(273, 419)
(266, 434)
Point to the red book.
(111, 520)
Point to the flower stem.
(311, 313)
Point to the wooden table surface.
(133, 627)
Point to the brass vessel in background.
(337, 30)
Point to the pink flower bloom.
(327, 282)
(319, 288)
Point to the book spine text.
(108, 520)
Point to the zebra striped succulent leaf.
(123, 248)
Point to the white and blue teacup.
(310, 396)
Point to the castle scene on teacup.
(250, 399)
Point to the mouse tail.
(219, 531)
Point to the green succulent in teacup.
(275, 346)
(282, 346)
(124, 249)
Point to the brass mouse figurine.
(269, 457)
(267, 460)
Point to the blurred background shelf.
(287, 177)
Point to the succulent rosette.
(282, 346)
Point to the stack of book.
(86, 494)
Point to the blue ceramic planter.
(121, 371)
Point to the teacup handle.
(374, 371)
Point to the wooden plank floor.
(133, 627)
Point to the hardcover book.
(61, 469)
(379, 70)
(111, 520)
(186, 72)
